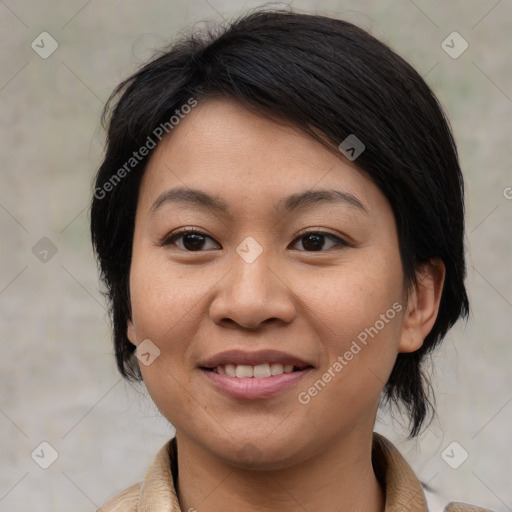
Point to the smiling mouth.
(260, 371)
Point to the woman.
(279, 224)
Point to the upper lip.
(253, 358)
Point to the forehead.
(228, 151)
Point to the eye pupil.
(193, 241)
(317, 242)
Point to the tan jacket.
(156, 493)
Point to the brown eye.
(315, 240)
(191, 240)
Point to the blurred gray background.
(59, 384)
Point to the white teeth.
(230, 370)
(245, 371)
(276, 368)
(262, 370)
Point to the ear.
(130, 333)
(422, 305)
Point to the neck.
(340, 478)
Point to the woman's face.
(294, 265)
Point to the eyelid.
(320, 231)
(341, 241)
(167, 239)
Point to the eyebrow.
(294, 202)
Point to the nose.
(252, 294)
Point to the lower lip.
(253, 388)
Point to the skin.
(193, 304)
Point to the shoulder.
(155, 492)
(125, 501)
(437, 504)
(403, 486)
(456, 506)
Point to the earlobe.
(422, 306)
(131, 333)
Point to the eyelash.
(169, 240)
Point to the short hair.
(331, 79)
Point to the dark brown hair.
(323, 75)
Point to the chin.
(260, 453)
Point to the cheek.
(162, 300)
(166, 309)
(351, 298)
(358, 313)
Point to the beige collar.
(156, 493)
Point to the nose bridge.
(252, 275)
(251, 292)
